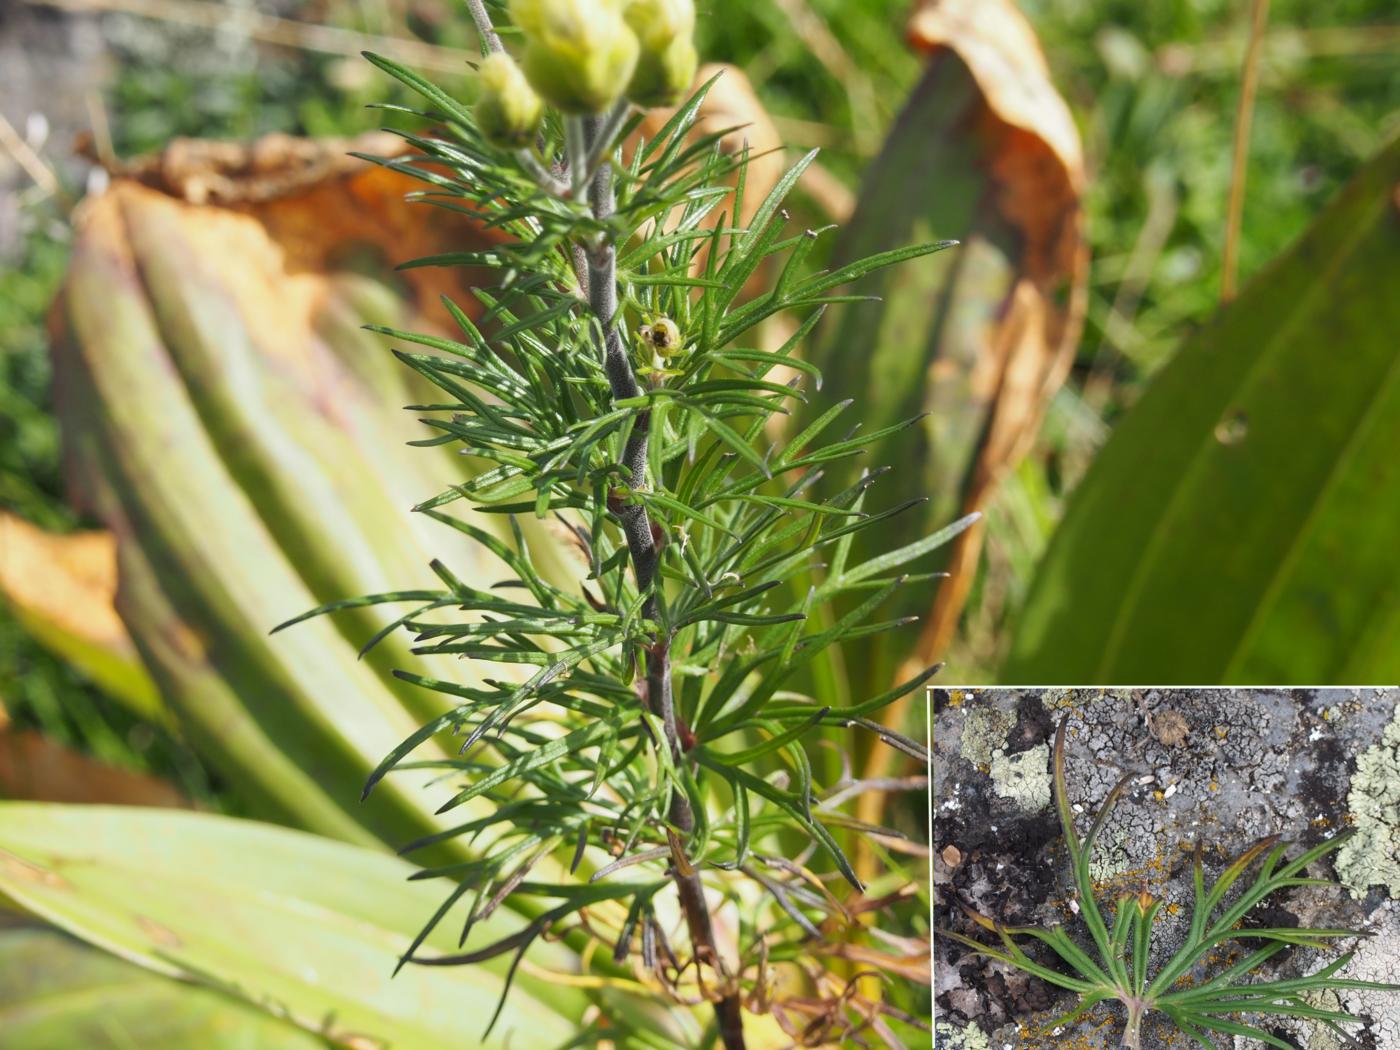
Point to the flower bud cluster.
(508, 111)
(667, 58)
(581, 56)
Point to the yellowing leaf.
(301, 926)
(60, 589)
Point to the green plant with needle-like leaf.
(1118, 967)
(650, 716)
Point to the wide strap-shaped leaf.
(304, 926)
(57, 992)
(1240, 524)
(243, 439)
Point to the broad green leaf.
(274, 916)
(1240, 525)
(56, 993)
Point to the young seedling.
(1118, 967)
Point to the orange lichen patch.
(1041, 1033)
(1155, 872)
(1099, 1028)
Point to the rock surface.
(1220, 766)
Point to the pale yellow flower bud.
(667, 61)
(579, 54)
(508, 111)
(658, 22)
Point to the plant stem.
(1132, 1031)
(1249, 80)
(487, 31)
(642, 546)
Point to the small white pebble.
(1169, 792)
(1074, 907)
(36, 130)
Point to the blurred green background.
(1152, 86)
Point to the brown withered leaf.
(1035, 165)
(36, 769)
(62, 578)
(971, 342)
(322, 208)
(275, 474)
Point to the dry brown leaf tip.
(35, 768)
(1034, 164)
(66, 580)
(1000, 47)
(295, 208)
(210, 171)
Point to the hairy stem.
(484, 28)
(642, 546)
(1132, 1031)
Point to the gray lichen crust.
(1023, 778)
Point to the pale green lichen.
(1023, 778)
(984, 731)
(947, 1037)
(1372, 857)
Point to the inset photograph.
(1156, 868)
